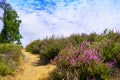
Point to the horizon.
(41, 18)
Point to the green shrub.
(50, 48)
(76, 39)
(93, 37)
(109, 46)
(34, 47)
(4, 69)
(10, 57)
(80, 63)
(110, 50)
(11, 51)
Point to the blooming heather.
(81, 62)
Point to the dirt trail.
(30, 70)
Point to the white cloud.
(77, 17)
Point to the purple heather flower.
(72, 61)
(110, 64)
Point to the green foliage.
(47, 48)
(96, 54)
(80, 63)
(55, 75)
(115, 36)
(110, 50)
(4, 69)
(50, 48)
(76, 39)
(34, 47)
(109, 46)
(93, 37)
(10, 32)
(10, 57)
(11, 50)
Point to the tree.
(10, 32)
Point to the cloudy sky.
(41, 18)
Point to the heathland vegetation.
(77, 57)
(80, 56)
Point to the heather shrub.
(75, 39)
(10, 57)
(110, 50)
(93, 37)
(109, 46)
(50, 48)
(109, 34)
(34, 47)
(80, 63)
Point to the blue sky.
(41, 18)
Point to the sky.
(41, 18)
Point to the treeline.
(80, 56)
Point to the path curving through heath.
(31, 70)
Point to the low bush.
(34, 47)
(110, 50)
(4, 68)
(76, 39)
(80, 63)
(10, 57)
(50, 48)
(109, 46)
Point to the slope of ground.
(31, 70)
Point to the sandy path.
(30, 70)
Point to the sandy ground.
(31, 69)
